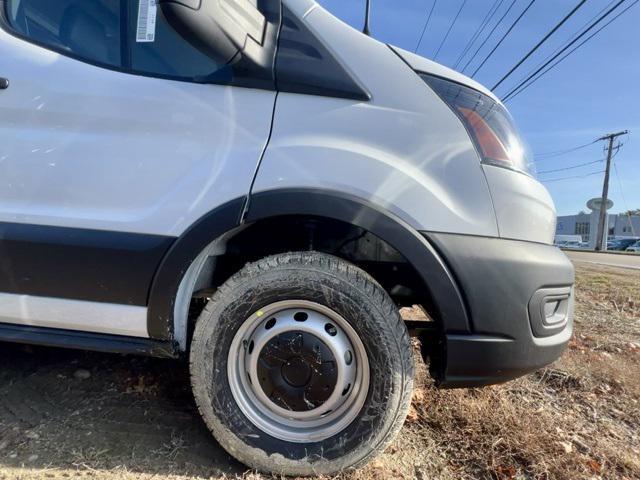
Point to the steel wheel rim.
(273, 396)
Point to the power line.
(523, 85)
(503, 37)
(426, 24)
(572, 36)
(464, 2)
(572, 50)
(557, 50)
(488, 36)
(617, 148)
(558, 153)
(573, 167)
(574, 176)
(539, 44)
(487, 19)
(529, 81)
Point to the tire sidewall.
(366, 313)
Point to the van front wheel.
(301, 365)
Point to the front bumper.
(519, 297)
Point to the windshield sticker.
(147, 12)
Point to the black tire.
(356, 296)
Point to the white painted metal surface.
(405, 150)
(88, 147)
(425, 65)
(524, 208)
(73, 315)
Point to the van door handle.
(4, 83)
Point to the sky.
(595, 91)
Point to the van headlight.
(489, 124)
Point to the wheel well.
(307, 233)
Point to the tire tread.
(323, 264)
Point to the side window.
(134, 36)
(85, 28)
(156, 48)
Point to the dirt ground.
(69, 414)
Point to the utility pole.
(605, 188)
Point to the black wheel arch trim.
(414, 247)
(438, 280)
(166, 282)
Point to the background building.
(585, 224)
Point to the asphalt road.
(609, 259)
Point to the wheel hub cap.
(298, 371)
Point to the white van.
(567, 240)
(257, 187)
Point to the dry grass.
(577, 419)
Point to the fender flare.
(166, 282)
(414, 247)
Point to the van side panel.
(87, 147)
(100, 171)
(403, 150)
(524, 208)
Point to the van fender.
(414, 247)
(438, 280)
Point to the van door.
(116, 135)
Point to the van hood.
(425, 65)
